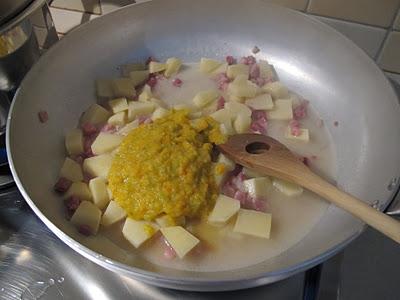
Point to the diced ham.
(300, 111)
(85, 230)
(87, 145)
(71, 204)
(87, 177)
(230, 60)
(255, 50)
(294, 126)
(79, 158)
(152, 81)
(248, 60)
(259, 122)
(108, 128)
(62, 185)
(43, 116)
(220, 103)
(254, 71)
(222, 81)
(259, 81)
(177, 82)
(144, 119)
(89, 129)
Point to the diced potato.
(173, 66)
(159, 113)
(155, 67)
(109, 194)
(222, 159)
(238, 109)
(195, 115)
(123, 87)
(180, 239)
(146, 94)
(98, 166)
(276, 89)
(242, 123)
(236, 98)
(247, 89)
(128, 127)
(106, 142)
(221, 69)
(74, 142)
(238, 69)
(251, 173)
(266, 70)
(71, 170)
(225, 208)
(137, 232)
(208, 65)
(79, 189)
(128, 68)
(241, 79)
(253, 223)
(95, 115)
(227, 128)
(303, 137)
(258, 187)
(204, 98)
(118, 105)
(261, 102)
(119, 119)
(288, 188)
(282, 110)
(98, 188)
(222, 115)
(113, 214)
(103, 88)
(138, 77)
(87, 214)
(137, 108)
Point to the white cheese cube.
(106, 142)
(238, 69)
(146, 94)
(155, 67)
(246, 90)
(251, 173)
(80, 190)
(119, 119)
(71, 170)
(138, 77)
(74, 142)
(276, 89)
(95, 115)
(98, 166)
(253, 223)
(87, 214)
(236, 109)
(98, 188)
(103, 88)
(266, 70)
(173, 66)
(128, 68)
(118, 105)
(159, 113)
(261, 102)
(225, 208)
(123, 87)
(304, 135)
(208, 65)
(137, 108)
(221, 69)
(282, 110)
(137, 232)
(204, 98)
(180, 240)
(258, 187)
(113, 214)
(242, 123)
(124, 131)
(222, 159)
(288, 188)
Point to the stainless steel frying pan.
(341, 81)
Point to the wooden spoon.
(267, 156)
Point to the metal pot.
(341, 81)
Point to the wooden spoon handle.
(376, 219)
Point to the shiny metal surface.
(311, 58)
(9, 8)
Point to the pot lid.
(11, 8)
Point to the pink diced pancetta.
(79, 158)
(144, 119)
(294, 126)
(220, 103)
(108, 128)
(259, 81)
(43, 116)
(222, 81)
(85, 230)
(228, 189)
(300, 111)
(87, 177)
(177, 82)
(89, 129)
(230, 60)
(254, 71)
(87, 145)
(152, 81)
(62, 185)
(248, 60)
(259, 122)
(71, 204)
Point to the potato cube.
(119, 119)
(155, 67)
(204, 98)
(128, 68)
(240, 79)
(276, 89)
(222, 159)
(146, 94)
(225, 208)
(287, 188)
(137, 232)
(118, 105)
(71, 170)
(282, 110)
(124, 131)
(238, 69)
(173, 66)
(113, 214)
(227, 128)
(104, 88)
(137, 108)
(258, 187)
(74, 142)
(159, 113)
(243, 90)
(123, 87)
(242, 123)
(266, 70)
(253, 223)
(222, 115)
(221, 69)
(208, 65)
(80, 190)
(98, 166)
(251, 173)
(261, 102)
(304, 135)
(106, 142)
(95, 115)
(87, 214)
(180, 239)
(138, 77)
(238, 109)
(235, 98)
(98, 188)
(110, 195)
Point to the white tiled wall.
(374, 25)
